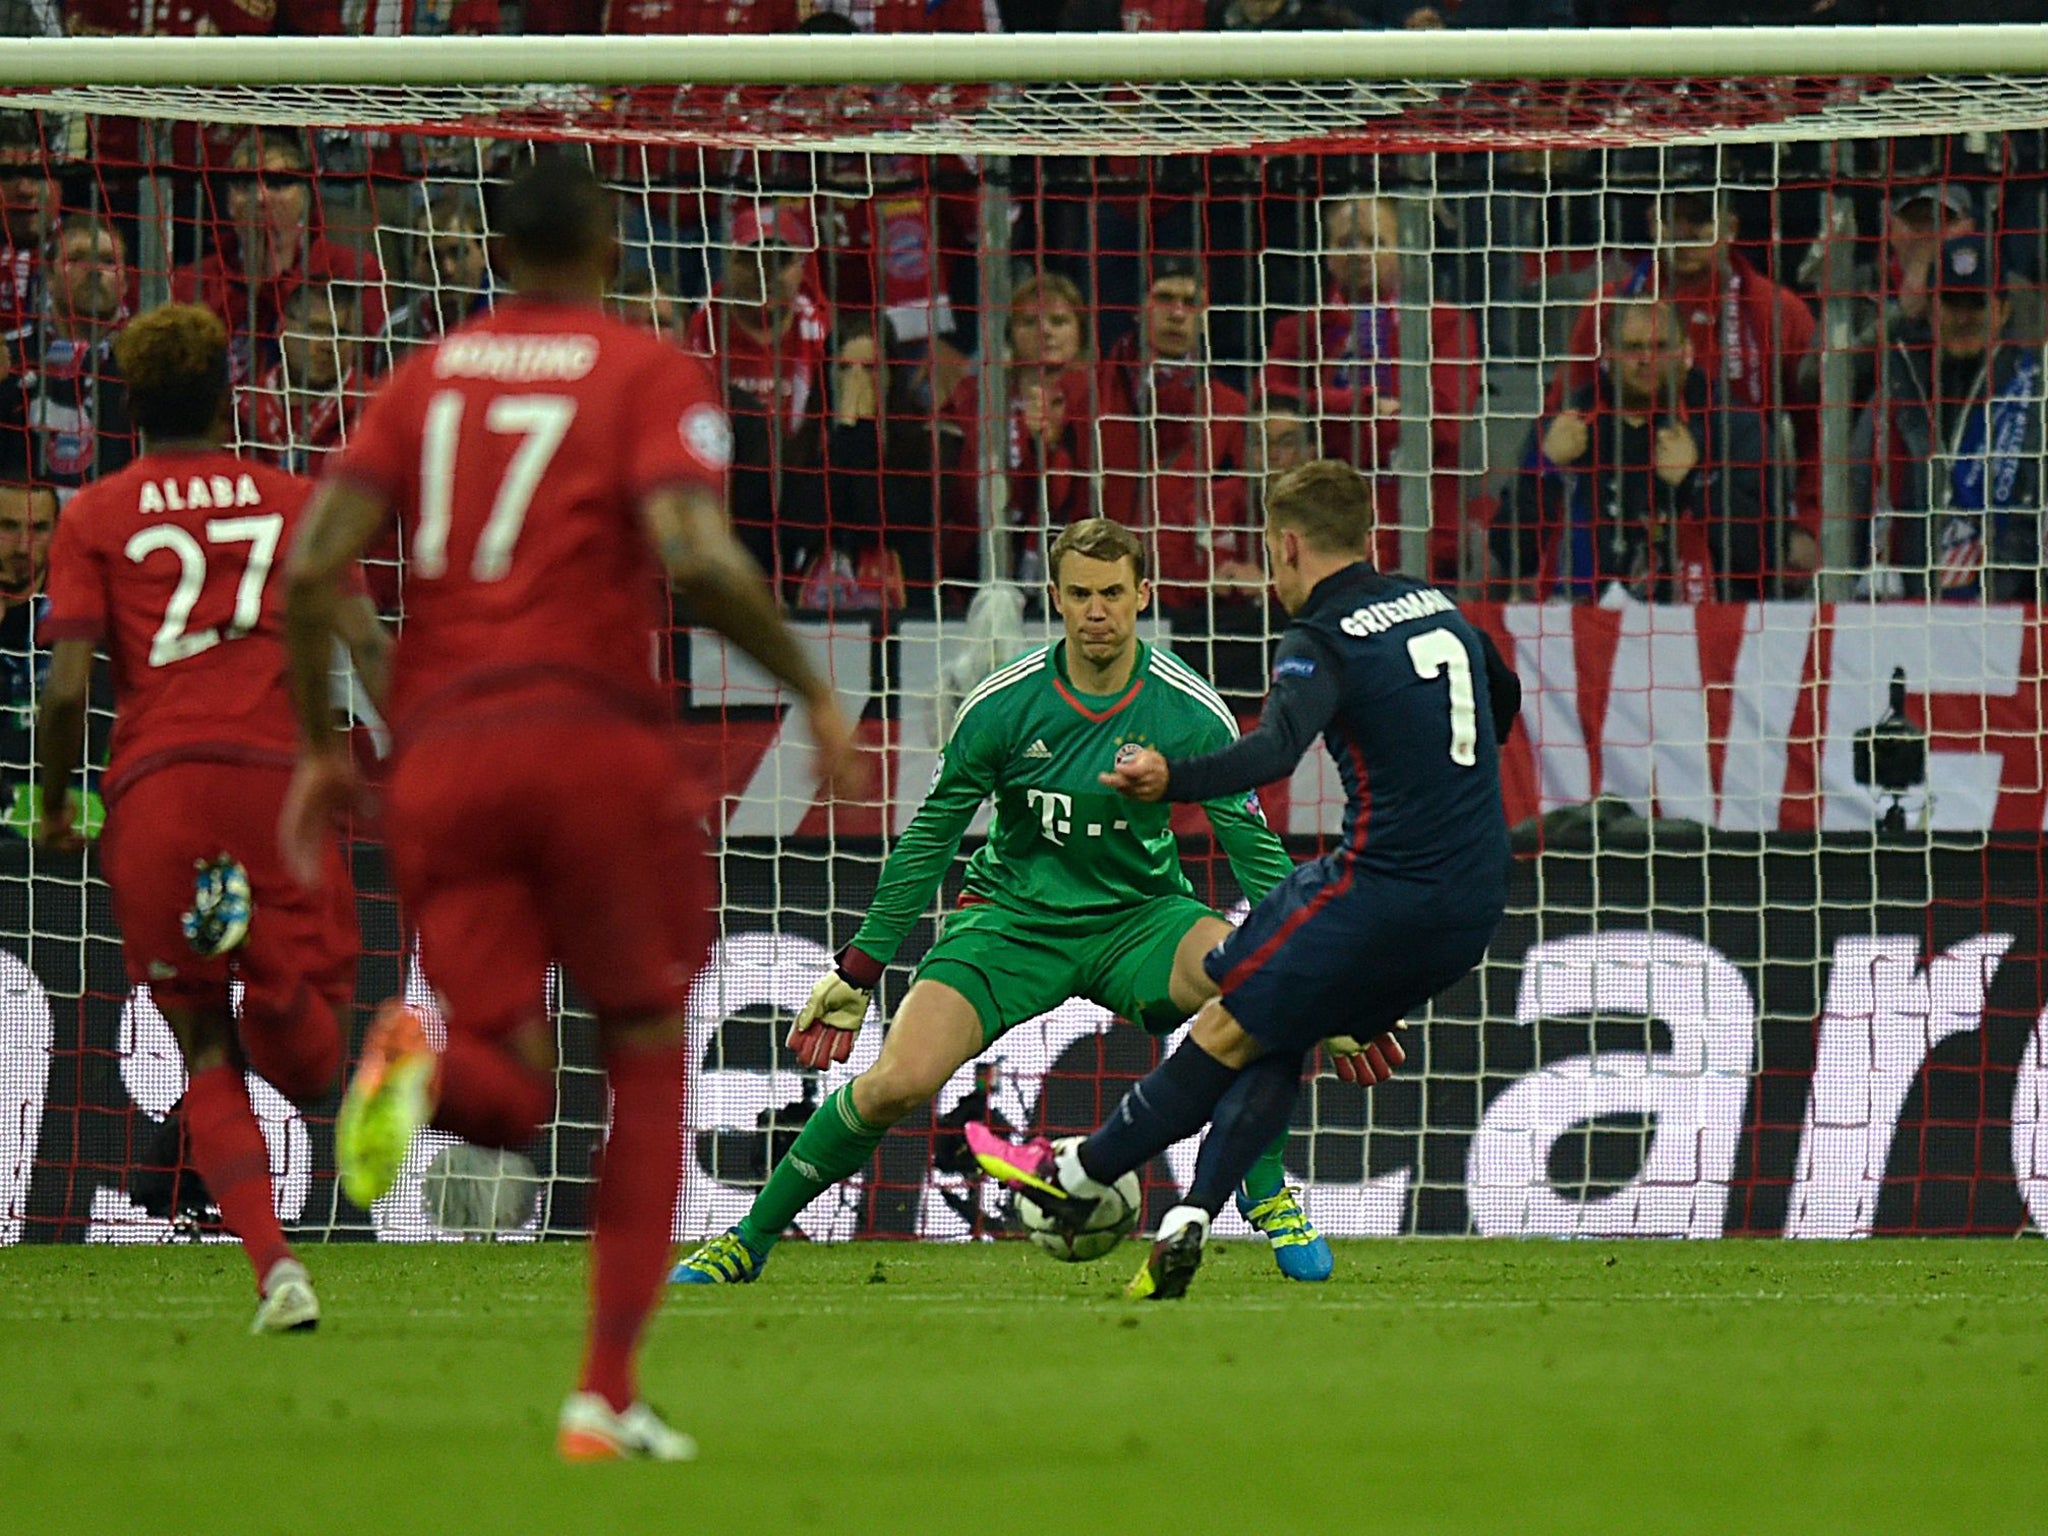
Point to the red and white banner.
(1738, 716)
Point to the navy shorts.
(1333, 952)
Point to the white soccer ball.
(479, 1190)
(1110, 1225)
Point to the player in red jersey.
(168, 567)
(545, 463)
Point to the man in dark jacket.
(1644, 486)
(1947, 459)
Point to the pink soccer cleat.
(1032, 1169)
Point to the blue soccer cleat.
(221, 906)
(725, 1260)
(1299, 1249)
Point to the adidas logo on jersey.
(1038, 749)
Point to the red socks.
(229, 1151)
(636, 1203)
(488, 1096)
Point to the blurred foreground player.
(545, 464)
(1412, 702)
(168, 566)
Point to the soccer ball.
(478, 1190)
(1110, 1225)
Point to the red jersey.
(170, 566)
(515, 452)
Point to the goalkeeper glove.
(1366, 1065)
(834, 1012)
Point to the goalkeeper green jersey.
(1060, 844)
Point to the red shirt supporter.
(1166, 442)
(268, 247)
(766, 335)
(1751, 338)
(563, 385)
(892, 251)
(1341, 367)
(888, 17)
(117, 140)
(765, 330)
(125, 551)
(752, 18)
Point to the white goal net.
(1706, 369)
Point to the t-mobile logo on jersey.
(1055, 813)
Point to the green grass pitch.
(1444, 1387)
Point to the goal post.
(1715, 393)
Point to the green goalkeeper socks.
(1268, 1175)
(835, 1142)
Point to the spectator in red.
(28, 208)
(1049, 339)
(898, 511)
(301, 410)
(1341, 364)
(1754, 340)
(890, 17)
(764, 332)
(1135, 16)
(1165, 441)
(268, 247)
(117, 141)
(897, 237)
(648, 18)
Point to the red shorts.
(166, 822)
(514, 843)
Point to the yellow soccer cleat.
(389, 1098)
(1174, 1258)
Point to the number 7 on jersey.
(540, 421)
(1439, 653)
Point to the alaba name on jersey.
(515, 453)
(1060, 841)
(171, 565)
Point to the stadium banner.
(1799, 1036)
(1738, 716)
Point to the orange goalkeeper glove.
(834, 1012)
(1366, 1065)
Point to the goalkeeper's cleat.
(1032, 1169)
(221, 906)
(1299, 1249)
(288, 1305)
(725, 1260)
(589, 1430)
(387, 1101)
(1174, 1258)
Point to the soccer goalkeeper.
(1078, 892)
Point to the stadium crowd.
(1614, 389)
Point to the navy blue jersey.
(1413, 703)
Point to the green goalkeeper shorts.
(1013, 967)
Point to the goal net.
(1715, 395)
